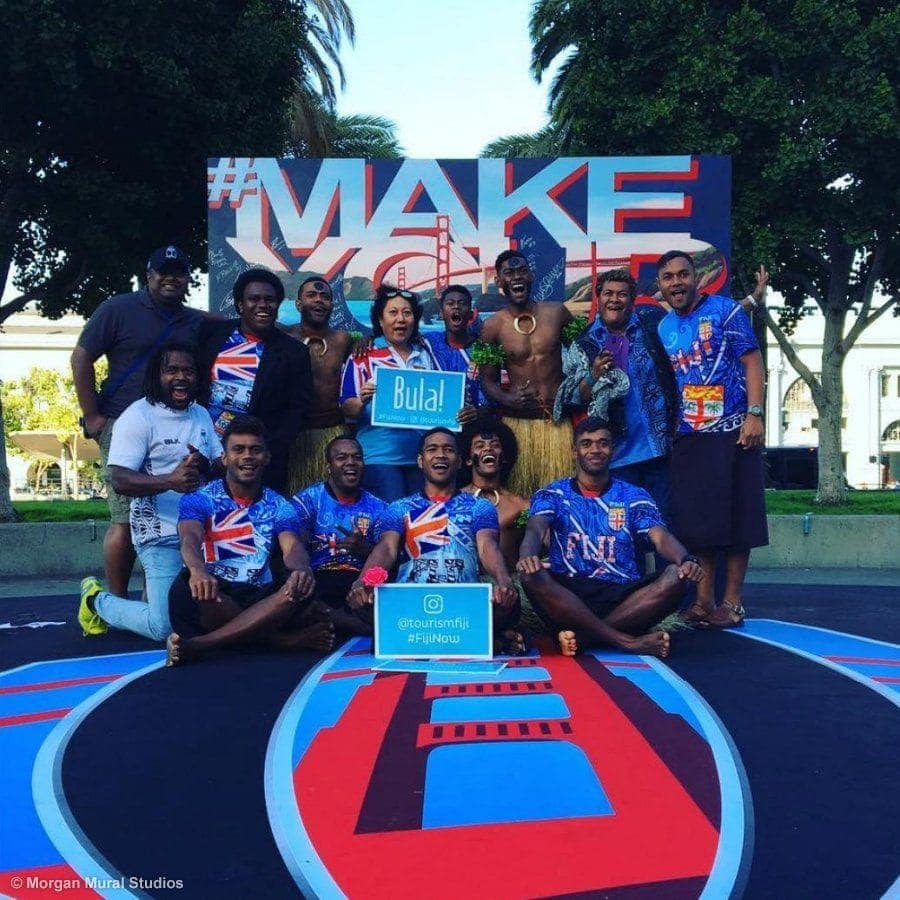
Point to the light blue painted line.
(661, 692)
(44, 701)
(50, 799)
(76, 667)
(510, 673)
(879, 688)
(294, 844)
(893, 892)
(505, 708)
(731, 865)
(814, 639)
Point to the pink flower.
(375, 576)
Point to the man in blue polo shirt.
(593, 593)
(127, 329)
(718, 501)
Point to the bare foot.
(568, 645)
(698, 613)
(316, 611)
(509, 643)
(318, 636)
(654, 644)
(177, 651)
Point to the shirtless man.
(328, 349)
(529, 333)
(489, 450)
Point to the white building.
(871, 415)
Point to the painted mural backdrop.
(425, 223)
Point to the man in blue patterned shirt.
(226, 595)
(718, 504)
(336, 523)
(440, 536)
(593, 592)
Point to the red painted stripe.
(885, 679)
(27, 718)
(864, 659)
(468, 732)
(56, 685)
(346, 673)
(45, 881)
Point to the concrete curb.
(59, 549)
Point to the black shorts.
(184, 610)
(601, 597)
(718, 493)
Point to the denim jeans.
(390, 483)
(162, 562)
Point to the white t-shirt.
(154, 439)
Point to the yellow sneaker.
(91, 623)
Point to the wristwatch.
(755, 410)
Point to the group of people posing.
(244, 470)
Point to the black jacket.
(281, 393)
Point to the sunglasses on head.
(320, 287)
(514, 262)
(397, 292)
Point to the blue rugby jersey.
(594, 537)
(705, 348)
(237, 540)
(438, 537)
(327, 520)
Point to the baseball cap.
(168, 257)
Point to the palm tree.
(545, 142)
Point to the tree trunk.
(7, 513)
(829, 404)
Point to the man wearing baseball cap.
(127, 329)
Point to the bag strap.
(142, 359)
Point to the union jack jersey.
(232, 377)
(326, 521)
(594, 537)
(705, 349)
(237, 540)
(438, 537)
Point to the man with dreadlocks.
(489, 451)
(161, 448)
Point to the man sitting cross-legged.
(337, 518)
(161, 448)
(593, 592)
(441, 536)
(226, 595)
(490, 450)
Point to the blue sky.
(453, 74)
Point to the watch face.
(755, 410)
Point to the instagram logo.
(433, 604)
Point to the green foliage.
(860, 503)
(44, 400)
(573, 330)
(61, 510)
(110, 111)
(483, 354)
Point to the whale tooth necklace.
(519, 318)
(479, 491)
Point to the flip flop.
(733, 617)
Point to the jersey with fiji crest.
(594, 537)
(237, 538)
(437, 537)
(705, 348)
(327, 520)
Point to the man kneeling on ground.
(337, 518)
(593, 593)
(226, 594)
(441, 536)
